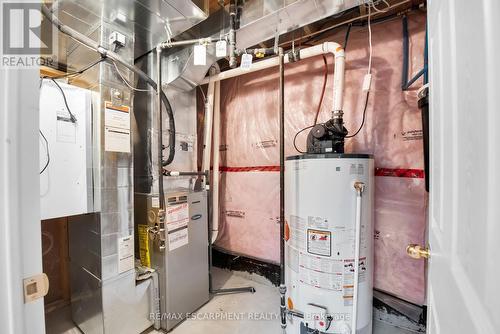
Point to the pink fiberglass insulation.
(392, 132)
(248, 207)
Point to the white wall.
(20, 231)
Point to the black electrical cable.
(297, 134)
(48, 154)
(328, 20)
(325, 79)
(347, 33)
(72, 117)
(171, 130)
(80, 71)
(170, 114)
(330, 319)
(364, 116)
(355, 24)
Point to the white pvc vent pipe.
(216, 162)
(328, 47)
(338, 99)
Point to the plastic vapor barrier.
(249, 149)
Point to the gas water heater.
(329, 243)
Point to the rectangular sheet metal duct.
(263, 19)
(260, 21)
(148, 19)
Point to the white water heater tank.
(326, 197)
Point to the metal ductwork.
(106, 297)
(178, 68)
(261, 20)
(150, 18)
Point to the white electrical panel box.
(65, 150)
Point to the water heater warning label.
(319, 242)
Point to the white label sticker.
(125, 253)
(155, 202)
(246, 61)
(116, 118)
(200, 54)
(319, 242)
(178, 238)
(117, 140)
(116, 128)
(221, 49)
(177, 216)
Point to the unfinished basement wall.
(249, 212)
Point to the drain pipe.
(207, 128)
(281, 58)
(216, 164)
(359, 187)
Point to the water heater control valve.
(327, 137)
(316, 317)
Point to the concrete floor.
(256, 313)
(262, 305)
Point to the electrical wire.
(72, 117)
(296, 135)
(373, 5)
(126, 81)
(369, 72)
(364, 117)
(79, 72)
(347, 33)
(48, 154)
(370, 41)
(325, 79)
